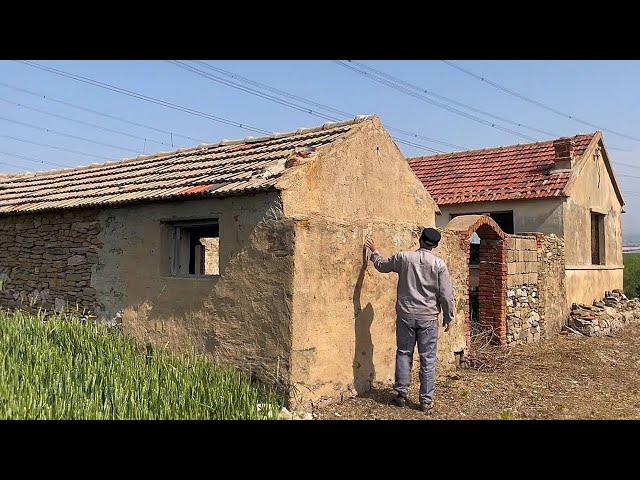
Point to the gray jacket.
(424, 285)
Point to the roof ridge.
(458, 152)
(221, 143)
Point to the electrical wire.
(298, 98)
(450, 100)
(146, 98)
(537, 103)
(31, 159)
(77, 152)
(426, 99)
(277, 100)
(76, 137)
(102, 114)
(81, 122)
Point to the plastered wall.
(540, 215)
(242, 317)
(590, 189)
(343, 339)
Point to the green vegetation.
(506, 415)
(63, 368)
(631, 274)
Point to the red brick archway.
(492, 271)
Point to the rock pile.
(604, 316)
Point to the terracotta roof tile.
(503, 173)
(225, 168)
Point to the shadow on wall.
(363, 369)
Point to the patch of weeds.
(464, 394)
(446, 384)
(506, 415)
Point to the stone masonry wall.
(535, 287)
(552, 283)
(46, 261)
(525, 320)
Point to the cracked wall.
(241, 317)
(343, 309)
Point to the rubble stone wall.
(603, 317)
(535, 287)
(524, 319)
(47, 261)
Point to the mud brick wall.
(524, 313)
(46, 260)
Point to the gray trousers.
(424, 332)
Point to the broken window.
(195, 248)
(597, 238)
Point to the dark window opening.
(195, 248)
(597, 239)
(503, 219)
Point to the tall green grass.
(631, 274)
(68, 369)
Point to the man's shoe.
(400, 401)
(426, 406)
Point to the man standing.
(424, 288)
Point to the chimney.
(564, 149)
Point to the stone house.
(249, 251)
(565, 187)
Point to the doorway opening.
(487, 285)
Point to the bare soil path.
(566, 377)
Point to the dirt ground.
(566, 377)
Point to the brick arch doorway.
(485, 245)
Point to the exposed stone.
(595, 321)
(47, 261)
(76, 260)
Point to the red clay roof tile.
(503, 173)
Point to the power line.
(77, 152)
(146, 98)
(76, 137)
(13, 165)
(537, 103)
(278, 100)
(102, 114)
(626, 164)
(81, 122)
(426, 99)
(31, 159)
(450, 100)
(316, 104)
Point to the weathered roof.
(503, 173)
(225, 168)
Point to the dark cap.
(430, 236)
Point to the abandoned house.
(251, 251)
(564, 187)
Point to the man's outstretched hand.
(370, 244)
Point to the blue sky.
(605, 93)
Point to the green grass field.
(631, 274)
(68, 369)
